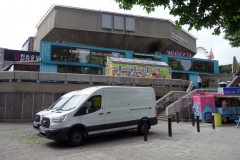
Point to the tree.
(221, 15)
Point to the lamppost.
(203, 50)
(178, 110)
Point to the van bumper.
(153, 121)
(36, 125)
(58, 134)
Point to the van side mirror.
(82, 111)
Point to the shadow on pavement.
(123, 137)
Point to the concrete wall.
(44, 27)
(23, 106)
(23, 94)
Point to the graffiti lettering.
(176, 53)
(26, 57)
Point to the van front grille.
(45, 122)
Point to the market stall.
(228, 103)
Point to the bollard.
(213, 122)
(198, 127)
(177, 114)
(193, 122)
(145, 129)
(169, 127)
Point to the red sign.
(176, 53)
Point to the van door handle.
(100, 113)
(108, 112)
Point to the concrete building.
(75, 40)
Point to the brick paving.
(20, 141)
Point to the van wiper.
(69, 109)
(58, 108)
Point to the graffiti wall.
(136, 70)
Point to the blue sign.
(231, 91)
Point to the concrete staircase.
(162, 115)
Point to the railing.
(185, 101)
(235, 82)
(169, 98)
(21, 76)
(172, 96)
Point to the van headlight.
(59, 119)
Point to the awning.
(227, 96)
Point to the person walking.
(199, 82)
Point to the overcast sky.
(19, 18)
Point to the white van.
(98, 110)
(57, 104)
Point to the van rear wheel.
(140, 128)
(75, 137)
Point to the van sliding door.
(116, 110)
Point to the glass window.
(78, 70)
(99, 57)
(93, 104)
(64, 69)
(32, 68)
(116, 54)
(98, 71)
(198, 66)
(175, 64)
(180, 76)
(208, 67)
(87, 70)
(74, 102)
(59, 103)
(20, 67)
(61, 69)
(83, 55)
(61, 53)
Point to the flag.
(211, 55)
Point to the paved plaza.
(19, 141)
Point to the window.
(198, 66)
(74, 102)
(93, 104)
(175, 64)
(116, 54)
(80, 70)
(208, 67)
(61, 53)
(99, 57)
(84, 55)
(20, 67)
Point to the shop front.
(228, 103)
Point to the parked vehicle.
(99, 110)
(57, 104)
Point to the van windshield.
(59, 103)
(74, 102)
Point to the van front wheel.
(75, 137)
(140, 128)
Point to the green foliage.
(207, 80)
(225, 69)
(221, 15)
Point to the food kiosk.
(203, 106)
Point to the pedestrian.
(199, 82)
